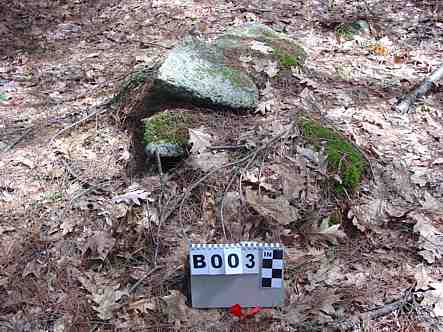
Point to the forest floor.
(79, 252)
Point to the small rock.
(166, 133)
(165, 150)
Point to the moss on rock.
(287, 60)
(237, 77)
(344, 159)
(166, 128)
(285, 50)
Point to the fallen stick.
(354, 324)
(405, 103)
(99, 109)
(22, 136)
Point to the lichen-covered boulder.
(196, 70)
(259, 42)
(166, 133)
(225, 73)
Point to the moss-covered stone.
(167, 133)
(344, 159)
(288, 52)
(166, 127)
(235, 76)
(287, 60)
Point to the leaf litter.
(395, 220)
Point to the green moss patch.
(286, 60)
(344, 159)
(285, 50)
(288, 53)
(237, 77)
(345, 31)
(166, 128)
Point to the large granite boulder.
(224, 73)
(196, 70)
(259, 42)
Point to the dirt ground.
(79, 252)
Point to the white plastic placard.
(267, 254)
(233, 260)
(247, 273)
(199, 260)
(251, 260)
(216, 261)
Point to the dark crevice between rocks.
(146, 102)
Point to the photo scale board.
(247, 273)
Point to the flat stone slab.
(165, 150)
(197, 71)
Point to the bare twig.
(222, 204)
(404, 105)
(10, 146)
(353, 324)
(100, 109)
(160, 204)
(250, 157)
(134, 287)
(227, 147)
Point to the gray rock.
(197, 71)
(166, 133)
(361, 27)
(165, 150)
(260, 42)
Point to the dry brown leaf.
(143, 305)
(432, 297)
(266, 106)
(278, 209)
(199, 139)
(328, 274)
(131, 197)
(430, 242)
(106, 301)
(261, 47)
(104, 296)
(207, 161)
(271, 69)
(369, 215)
(253, 179)
(101, 243)
(68, 225)
(174, 305)
(431, 204)
(34, 268)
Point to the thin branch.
(18, 140)
(160, 204)
(222, 205)
(404, 105)
(134, 287)
(227, 147)
(250, 157)
(100, 109)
